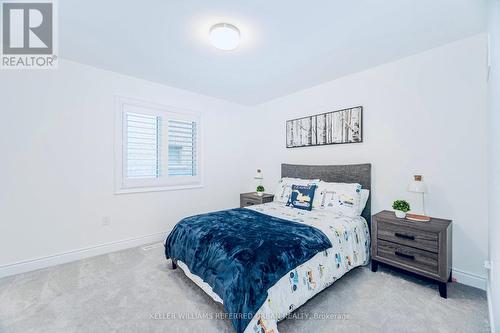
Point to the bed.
(263, 262)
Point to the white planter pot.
(260, 194)
(400, 214)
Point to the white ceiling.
(286, 45)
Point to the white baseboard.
(469, 279)
(62, 258)
(490, 308)
(490, 302)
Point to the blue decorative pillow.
(302, 196)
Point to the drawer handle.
(410, 237)
(404, 255)
(250, 203)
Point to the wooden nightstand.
(423, 248)
(250, 199)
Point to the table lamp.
(259, 177)
(417, 185)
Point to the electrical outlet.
(106, 221)
(487, 264)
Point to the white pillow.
(284, 187)
(363, 200)
(342, 198)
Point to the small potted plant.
(401, 207)
(260, 190)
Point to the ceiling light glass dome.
(225, 36)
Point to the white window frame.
(164, 182)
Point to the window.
(157, 148)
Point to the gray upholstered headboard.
(353, 173)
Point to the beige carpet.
(136, 291)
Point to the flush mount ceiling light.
(225, 36)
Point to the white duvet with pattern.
(350, 238)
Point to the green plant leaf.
(401, 205)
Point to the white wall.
(56, 169)
(494, 159)
(423, 114)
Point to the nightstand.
(423, 248)
(250, 199)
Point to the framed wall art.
(334, 127)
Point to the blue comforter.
(241, 253)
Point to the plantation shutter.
(182, 148)
(143, 146)
(156, 148)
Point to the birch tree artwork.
(343, 126)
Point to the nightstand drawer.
(249, 202)
(400, 234)
(423, 260)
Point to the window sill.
(156, 189)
